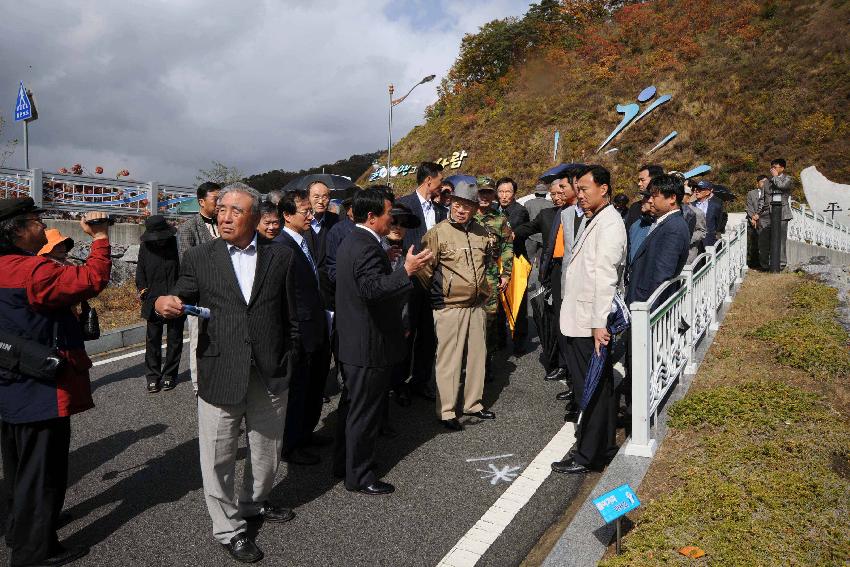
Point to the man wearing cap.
(199, 229)
(696, 223)
(499, 264)
(36, 296)
(711, 207)
(456, 278)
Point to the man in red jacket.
(36, 296)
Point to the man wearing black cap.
(36, 296)
(711, 207)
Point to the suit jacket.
(713, 219)
(569, 219)
(156, 271)
(661, 257)
(317, 243)
(369, 301)
(309, 311)
(413, 236)
(191, 233)
(784, 184)
(593, 274)
(237, 336)
(546, 224)
(753, 203)
(335, 237)
(516, 213)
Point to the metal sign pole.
(26, 145)
(619, 534)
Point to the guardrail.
(664, 338)
(78, 193)
(811, 227)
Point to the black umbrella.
(544, 314)
(723, 192)
(341, 187)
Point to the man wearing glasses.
(36, 300)
(322, 222)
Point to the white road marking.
(123, 356)
(475, 543)
(495, 474)
(493, 458)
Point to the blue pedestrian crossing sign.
(616, 503)
(23, 106)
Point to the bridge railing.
(666, 333)
(811, 227)
(79, 193)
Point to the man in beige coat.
(591, 279)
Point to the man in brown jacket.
(457, 281)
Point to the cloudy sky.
(163, 88)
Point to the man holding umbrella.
(592, 275)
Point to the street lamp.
(775, 229)
(394, 102)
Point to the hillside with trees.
(750, 80)
(350, 167)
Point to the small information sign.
(23, 106)
(616, 503)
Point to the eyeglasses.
(39, 221)
(306, 212)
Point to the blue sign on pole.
(23, 106)
(616, 503)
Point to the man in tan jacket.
(457, 283)
(591, 277)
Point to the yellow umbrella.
(512, 296)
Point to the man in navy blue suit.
(711, 206)
(663, 253)
(304, 407)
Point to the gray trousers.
(218, 437)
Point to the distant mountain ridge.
(351, 167)
(750, 80)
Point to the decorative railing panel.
(814, 228)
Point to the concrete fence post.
(690, 309)
(712, 284)
(153, 197)
(641, 443)
(37, 187)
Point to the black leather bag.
(30, 358)
(89, 322)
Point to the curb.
(587, 537)
(116, 339)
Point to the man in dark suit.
(645, 174)
(370, 333)
(517, 215)
(304, 407)
(711, 206)
(429, 176)
(245, 359)
(316, 237)
(663, 253)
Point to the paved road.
(135, 486)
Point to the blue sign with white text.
(616, 503)
(23, 107)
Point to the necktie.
(309, 257)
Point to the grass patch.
(756, 471)
(117, 306)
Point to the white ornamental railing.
(78, 193)
(811, 227)
(665, 336)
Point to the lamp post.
(775, 228)
(394, 102)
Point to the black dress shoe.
(318, 440)
(482, 414)
(301, 457)
(452, 424)
(242, 548)
(271, 513)
(62, 557)
(571, 416)
(402, 396)
(569, 466)
(377, 488)
(565, 395)
(169, 384)
(555, 375)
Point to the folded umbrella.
(512, 296)
(618, 321)
(543, 313)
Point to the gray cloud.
(164, 88)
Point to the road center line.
(475, 543)
(124, 356)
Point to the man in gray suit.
(197, 230)
(534, 206)
(754, 199)
(246, 351)
(782, 183)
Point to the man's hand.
(394, 252)
(755, 217)
(168, 306)
(600, 337)
(96, 231)
(503, 283)
(415, 262)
